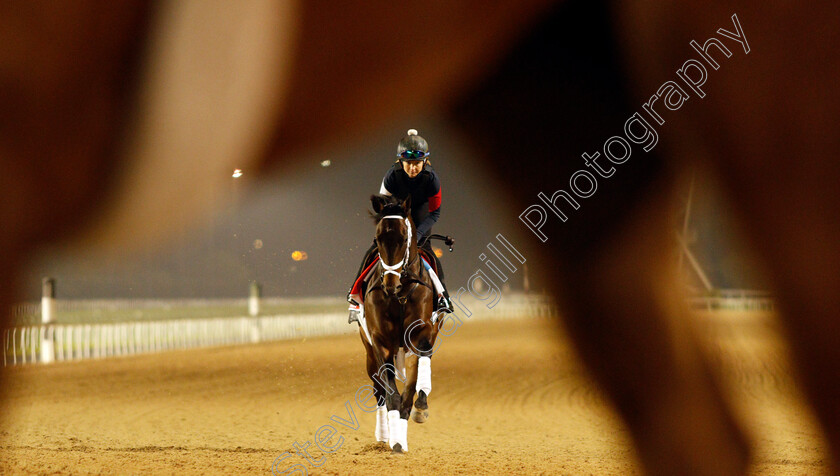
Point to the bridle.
(401, 269)
(401, 265)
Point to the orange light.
(299, 255)
(438, 251)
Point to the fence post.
(47, 319)
(254, 298)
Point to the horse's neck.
(414, 259)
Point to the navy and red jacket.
(424, 190)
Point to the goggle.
(414, 155)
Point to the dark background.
(324, 212)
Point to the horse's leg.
(397, 423)
(410, 389)
(381, 429)
(420, 338)
(422, 394)
(384, 372)
(421, 406)
(797, 234)
(775, 160)
(631, 328)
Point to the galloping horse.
(397, 328)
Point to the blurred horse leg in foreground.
(121, 120)
(610, 262)
(769, 124)
(66, 79)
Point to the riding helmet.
(413, 147)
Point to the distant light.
(258, 244)
(438, 251)
(325, 163)
(237, 173)
(299, 255)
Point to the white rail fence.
(22, 345)
(736, 300)
(140, 306)
(65, 342)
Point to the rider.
(412, 175)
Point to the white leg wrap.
(424, 375)
(398, 430)
(381, 431)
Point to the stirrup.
(354, 310)
(444, 306)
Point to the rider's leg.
(355, 309)
(369, 256)
(443, 303)
(366, 261)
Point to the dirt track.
(506, 399)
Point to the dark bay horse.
(397, 321)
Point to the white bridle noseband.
(393, 269)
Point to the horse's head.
(394, 237)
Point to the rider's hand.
(419, 238)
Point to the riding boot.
(444, 304)
(355, 309)
(353, 317)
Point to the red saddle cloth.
(429, 260)
(357, 286)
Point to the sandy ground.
(508, 397)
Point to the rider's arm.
(383, 190)
(434, 207)
(387, 183)
(429, 222)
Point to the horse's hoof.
(397, 449)
(419, 416)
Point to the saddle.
(360, 286)
(424, 253)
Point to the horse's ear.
(377, 202)
(406, 204)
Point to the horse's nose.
(397, 288)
